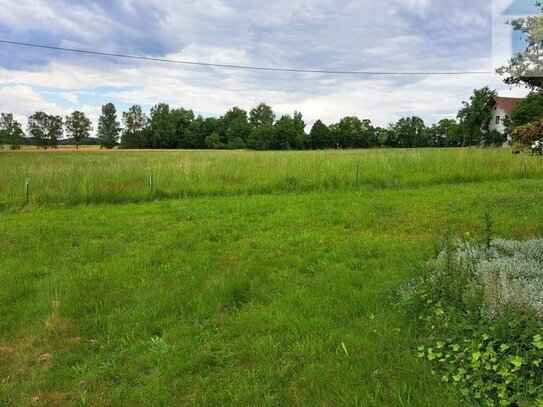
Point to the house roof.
(507, 104)
(522, 8)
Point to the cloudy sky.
(361, 35)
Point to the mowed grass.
(65, 178)
(278, 299)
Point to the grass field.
(272, 282)
(68, 178)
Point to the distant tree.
(78, 126)
(10, 131)
(45, 129)
(214, 141)
(475, 115)
(261, 137)
(236, 143)
(286, 133)
(135, 124)
(369, 137)
(526, 68)
(444, 134)
(184, 135)
(381, 137)
(351, 132)
(237, 133)
(203, 128)
(408, 132)
(108, 126)
(301, 140)
(319, 136)
(197, 131)
(234, 124)
(262, 115)
(162, 127)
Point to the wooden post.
(152, 184)
(27, 191)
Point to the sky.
(360, 35)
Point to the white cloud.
(70, 97)
(22, 101)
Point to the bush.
(480, 307)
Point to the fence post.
(27, 191)
(152, 184)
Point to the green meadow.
(242, 278)
(61, 178)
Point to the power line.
(242, 67)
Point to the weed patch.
(480, 310)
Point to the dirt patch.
(6, 353)
(53, 399)
(45, 358)
(7, 350)
(56, 323)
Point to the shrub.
(480, 307)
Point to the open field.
(60, 178)
(271, 283)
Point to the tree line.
(259, 129)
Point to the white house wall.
(498, 111)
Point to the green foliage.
(184, 136)
(108, 126)
(407, 133)
(475, 116)
(320, 136)
(78, 126)
(135, 131)
(179, 128)
(526, 122)
(524, 136)
(214, 141)
(45, 129)
(10, 131)
(162, 127)
(236, 143)
(261, 137)
(301, 140)
(529, 110)
(482, 338)
(237, 133)
(289, 133)
(262, 115)
(497, 364)
(234, 124)
(351, 132)
(446, 133)
(493, 138)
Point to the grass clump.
(480, 309)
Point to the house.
(502, 108)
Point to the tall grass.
(69, 178)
